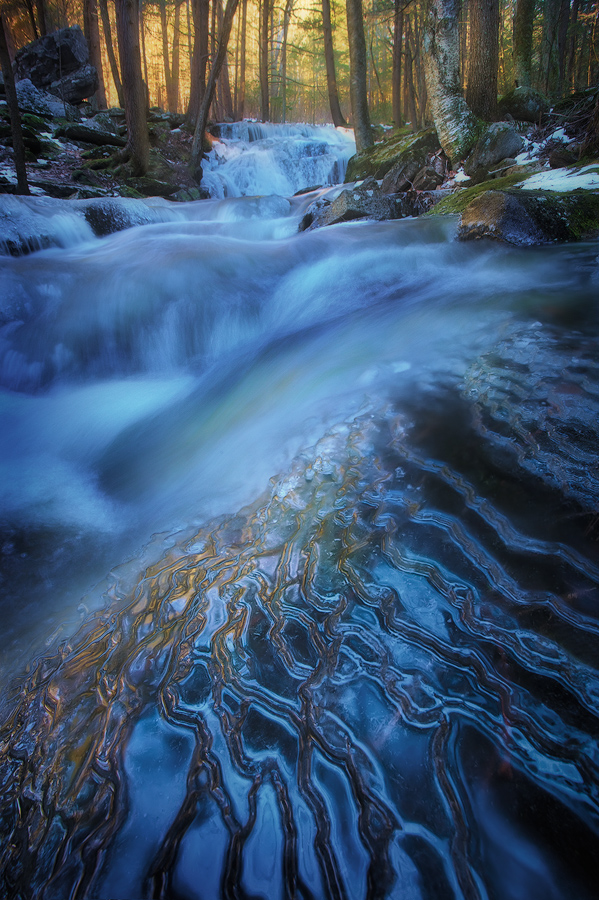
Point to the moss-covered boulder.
(400, 147)
(524, 104)
(526, 217)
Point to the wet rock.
(524, 105)
(146, 186)
(499, 141)
(531, 217)
(400, 147)
(368, 201)
(59, 64)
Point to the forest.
(319, 61)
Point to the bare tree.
(138, 143)
(215, 68)
(264, 44)
(358, 72)
(483, 58)
(200, 10)
(456, 125)
(329, 57)
(91, 27)
(397, 59)
(114, 69)
(522, 37)
(13, 111)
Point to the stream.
(299, 556)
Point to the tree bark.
(200, 10)
(114, 69)
(176, 54)
(329, 58)
(263, 48)
(358, 74)
(241, 92)
(42, 17)
(166, 59)
(456, 125)
(91, 27)
(483, 59)
(202, 121)
(397, 54)
(138, 144)
(13, 111)
(549, 46)
(522, 35)
(224, 83)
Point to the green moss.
(401, 144)
(574, 214)
(463, 197)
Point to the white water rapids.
(299, 554)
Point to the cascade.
(298, 545)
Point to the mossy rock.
(463, 197)
(400, 146)
(524, 217)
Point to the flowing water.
(300, 560)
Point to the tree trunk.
(32, 22)
(483, 59)
(166, 59)
(142, 32)
(176, 54)
(397, 52)
(263, 48)
(114, 69)
(549, 62)
(410, 91)
(523, 24)
(200, 10)
(42, 17)
(572, 51)
(138, 144)
(224, 83)
(13, 111)
(358, 74)
(91, 27)
(200, 128)
(456, 126)
(329, 58)
(241, 92)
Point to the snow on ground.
(586, 178)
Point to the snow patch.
(586, 178)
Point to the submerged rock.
(531, 217)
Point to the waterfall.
(298, 537)
(253, 158)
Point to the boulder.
(368, 201)
(400, 147)
(41, 103)
(77, 131)
(427, 179)
(59, 64)
(524, 105)
(77, 86)
(400, 177)
(525, 217)
(499, 141)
